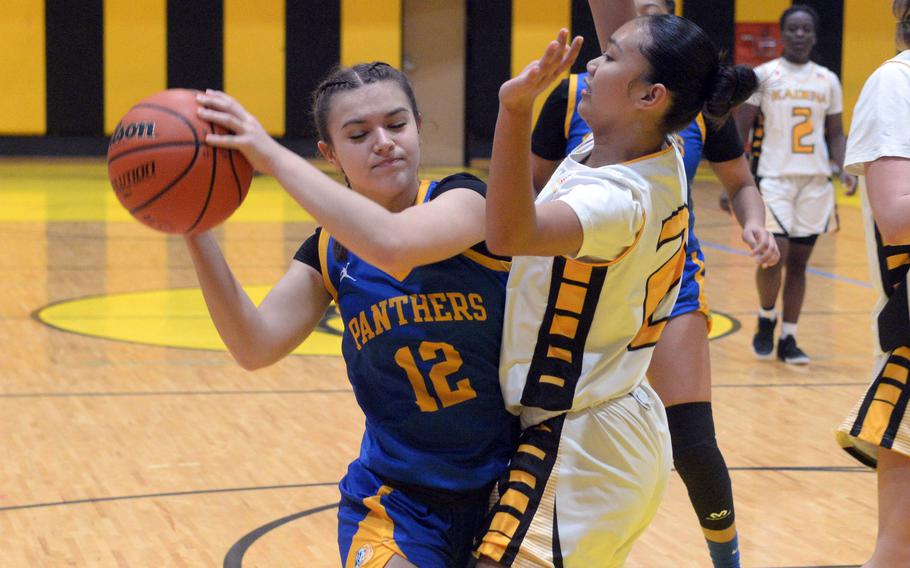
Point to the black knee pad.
(700, 464)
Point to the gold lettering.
(421, 308)
(439, 308)
(354, 328)
(397, 302)
(366, 332)
(459, 306)
(381, 317)
(480, 313)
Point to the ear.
(653, 96)
(328, 152)
(419, 121)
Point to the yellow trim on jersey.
(570, 106)
(487, 261)
(623, 254)
(649, 156)
(375, 534)
(700, 121)
(422, 191)
(323, 248)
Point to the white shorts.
(582, 486)
(799, 206)
(880, 419)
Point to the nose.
(383, 142)
(592, 65)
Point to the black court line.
(786, 385)
(170, 494)
(824, 469)
(234, 556)
(170, 393)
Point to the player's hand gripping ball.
(165, 174)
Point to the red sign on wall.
(757, 42)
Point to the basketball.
(164, 173)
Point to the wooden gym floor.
(132, 439)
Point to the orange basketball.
(165, 174)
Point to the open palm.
(559, 56)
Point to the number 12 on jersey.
(439, 375)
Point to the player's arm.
(609, 16)
(257, 337)
(393, 242)
(723, 150)
(514, 224)
(888, 187)
(745, 119)
(748, 208)
(837, 147)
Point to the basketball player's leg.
(798, 252)
(680, 372)
(892, 547)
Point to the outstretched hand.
(246, 134)
(520, 91)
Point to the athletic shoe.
(789, 353)
(763, 341)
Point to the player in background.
(422, 303)
(680, 370)
(798, 144)
(609, 226)
(877, 431)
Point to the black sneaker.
(763, 341)
(789, 353)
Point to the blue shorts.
(691, 287)
(427, 527)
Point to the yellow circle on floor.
(179, 318)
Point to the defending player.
(877, 432)
(797, 137)
(603, 250)
(680, 370)
(422, 304)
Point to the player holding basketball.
(799, 134)
(422, 303)
(603, 251)
(680, 370)
(877, 432)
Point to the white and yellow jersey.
(795, 100)
(581, 331)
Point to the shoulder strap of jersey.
(572, 97)
(324, 241)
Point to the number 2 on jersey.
(661, 281)
(801, 130)
(439, 375)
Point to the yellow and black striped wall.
(71, 68)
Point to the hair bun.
(733, 84)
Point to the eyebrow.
(613, 42)
(363, 120)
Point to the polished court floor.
(132, 439)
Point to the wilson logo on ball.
(133, 130)
(123, 182)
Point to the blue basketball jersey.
(693, 138)
(422, 354)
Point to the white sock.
(786, 329)
(767, 314)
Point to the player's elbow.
(503, 242)
(252, 359)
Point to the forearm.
(837, 148)
(609, 16)
(748, 206)
(511, 216)
(364, 226)
(235, 316)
